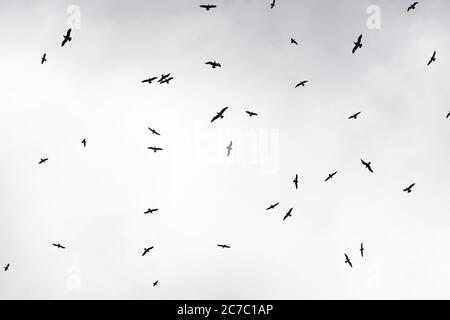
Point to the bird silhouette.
(58, 246)
(219, 114)
(7, 267)
(362, 250)
(408, 189)
(163, 77)
(272, 206)
(293, 41)
(367, 165)
(147, 250)
(251, 114)
(229, 148)
(288, 214)
(155, 283)
(167, 80)
(296, 181)
(67, 38)
(150, 211)
(272, 4)
(43, 160)
(412, 6)
(149, 80)
(213, 64)
(448, 115)
(224, 246)
(301, 83)
(433, 58)
(153, 131)
(347, 260)
(331, 175)
(208, 6)
(358, 44)
(354, 116)
(84, 142)
(154, 149)
(44, 58)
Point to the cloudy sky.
(92, 200)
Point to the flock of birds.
(166, 78)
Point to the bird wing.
(215, 117)
(359, 39)
(68, 32)
(209, 62)
(223, 110)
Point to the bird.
(272, 4)
(448, 115)
(208, 6)
(362, 250)
(213, 64)
(347, 260)
(155, 283)
(67, 38)
(433, 58)
(251, 114)
(272, 206)
(58, 246)
(153, 131)
(150, 211)
(7, 267)
(84, 142)
(301, 83)
(296, 181)
(219, 114)
(288, 214)
(155, 149)
(408, 189)
(229, 148)
(44, 58)
(354, 116)
(224, 246)
(163, 77)
(43, 160)
(293, 41)
(367, 165)
(149, 80)
(146, 250)
(358, 44)
(331, 175)
(166, 80)
(412, 6)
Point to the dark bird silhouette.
(272, 206)
(354, 116)
(448, 115)
(294, 42)
(413, 6)
(84, 142)
(272, 4)
(150, 211)
(358, 44)
(433, 58)
(149, 80)
(153, 131)
(155, 283)
(166, 80)
(367, 165)
(331, 175)
(7, 267)
(146, 250)
(213, 64)
(43, 160)
(347, 260)
(288, 214)
(58, 246)
(224, 246)
(362, 250)
(296, 181)
(67, 38)
(409, 188)
(301, 83)
(251, 114)
(229, 148)
(219, 114)
(164, 77)
(155, 149)
(44, 58)
(208, 6)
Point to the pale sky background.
(92, 200)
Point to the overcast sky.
(92, 200)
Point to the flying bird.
(296, 181)
(272, 4)
(44, 58)
(223, 246)
(331, 175)
(208, 6)
(43, 160)
(362, 250)
(409, 188)
(155, 283)
(146, 250)
(367, 165)
(166, 80)
(58, 246)
(150, 211)
(213, 64)
(433, 58)
(413, 6)
(155, 149)
(149, 80)
(301, 83)
(354, 116)
(347, 260)
(153, 131)
(219, 114)
(272, 206)
(288, 214)
(84, 142)
(7, 267)
(67, 38)
(358, 44)
(164, 77)
(251, 114)
(293, 41)
(229, 148)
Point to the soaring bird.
(43, 160)
(208, 6)
(347, 260)
(224, 246)
(167, 80)
(354, 116)
(58, 246)
(67, 38)
(150, 211)
(301, 83)
(433, 58)
(154, 149)
(358, 44)
(229, 148)
(272, 206)
(155, 283)
(331, 175)
(288, 214)
(296, 181)
(146, 250)
(367, 165)
(213, 64)
(44, 58)
(251, 114)
(149, 80)
(448, 115)
(219, 114)
(164, 77)
(362, 250)
(84, 142)
(7, 267)
(272, 4)
(293, 41)
(153, 131)
(413, 6)
(408, 189)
